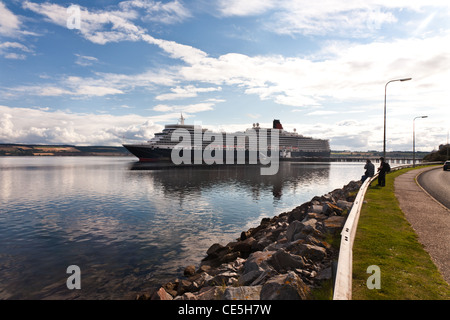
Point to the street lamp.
(414, 139)
(385, 89)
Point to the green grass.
(386, 239)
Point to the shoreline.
(291, 256)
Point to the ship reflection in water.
(129, 226)
(290, 174)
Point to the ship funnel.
(277, 124)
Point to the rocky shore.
(284, 258)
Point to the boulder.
(264, 276)
(242, 293)
(249, 277)
(283, 261)
(189, 271)
(257, 261)
(308, 251)
(209, 293)
(224, 278)
(334, 223)
(344, 205)
(184, 286)
(215, 249)
(331, 209)
(206, 293)
(316, 208)
(285, 287)
(245, 247)
(161, 294)
(171, 288)
(295, 227)
(298, 213)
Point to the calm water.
(130, 229)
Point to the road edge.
(416, 179)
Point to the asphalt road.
(437, 184)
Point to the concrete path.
(430, 219)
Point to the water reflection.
(179, 181)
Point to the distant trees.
(439, 155)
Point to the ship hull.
(162, 155)
(146, 154)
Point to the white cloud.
(191, 108)
(26, 125)
(185, 92)
(93, 24)
(245, 8)
(349, 18)
(7, 50)
(55, 91)
(85, 61)
(321, 113)
(103, 84)
(9, 22)
(156, 11)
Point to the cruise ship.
(244, 147)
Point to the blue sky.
(130, 67)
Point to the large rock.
(294, 228)
(316, 208)
(242, 293)
(344, 205)
(309, 251)
(285, 287)
(206, 293)
(161, 294)
(283, 261)
(305, 227)
(245, 247)
(334, 223)
(189, 270)
(298, 213)
(257, 261)
(224, 278)
(332, 209)
(215, 249)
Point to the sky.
(112, 72)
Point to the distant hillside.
(60, 150)
(439, 155)
(376, 154)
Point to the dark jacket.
(370, 169)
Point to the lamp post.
(385, 89)
(414, 139)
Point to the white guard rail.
(343, 282)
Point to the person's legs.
(382, 180)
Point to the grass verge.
(386, 239)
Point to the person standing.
(382, 170)
(370, 171)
